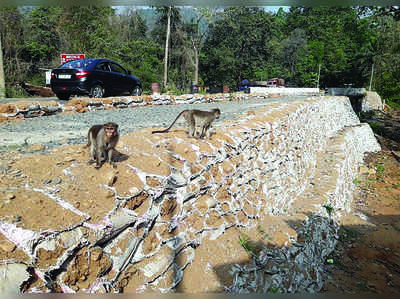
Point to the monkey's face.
(110, 131)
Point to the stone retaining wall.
(299, 268)
(363, 100)
(285, 91)
(178, 212)
(347, 91)
(372, 101)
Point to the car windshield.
(76, 64)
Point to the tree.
(180, 62)
(237, 46)
(387, 59)
(87, 30)
(339, 34)
(165, 78)
(197, 30)
(131, 25)
(393, 11)
(41, 39)
(144, 58)
(294, 48)
(11, 35)
(2, 83)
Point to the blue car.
(244, 84)
(93, 77)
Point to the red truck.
(276, 82)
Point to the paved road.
(72, 128)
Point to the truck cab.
(276, 82)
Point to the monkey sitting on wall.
(102, 140)
(194, 117)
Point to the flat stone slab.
(12, 276)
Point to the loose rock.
(7, 246)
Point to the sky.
(269, 8)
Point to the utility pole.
(166, 49)
(2, 84)
(372, 74)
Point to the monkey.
(102, 140)
(195, 117)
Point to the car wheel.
(97, 91)
(63, 96)
(136, 91)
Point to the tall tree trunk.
(372, 75)
(2, 84)
(196, 65)
(166, 49)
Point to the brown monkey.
(102, 140)
(195, 118)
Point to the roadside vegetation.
(211, 46)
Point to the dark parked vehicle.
(94, 77)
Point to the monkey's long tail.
(167, 129)
(88, 141)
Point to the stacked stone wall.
(285, 91)
(171, 217)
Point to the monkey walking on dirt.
(194, 118)
(102, 140)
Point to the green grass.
(38, 80)
(380, 171)
(329, 209)
(349, 234)
(367, 114)
(245, 243)
(15, 92)
(356, 181)
(336, 258)
(369, 181)
(393, 105)
(273, 290)
(377, 128)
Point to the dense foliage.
(347, 45)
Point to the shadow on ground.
(366, 259)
